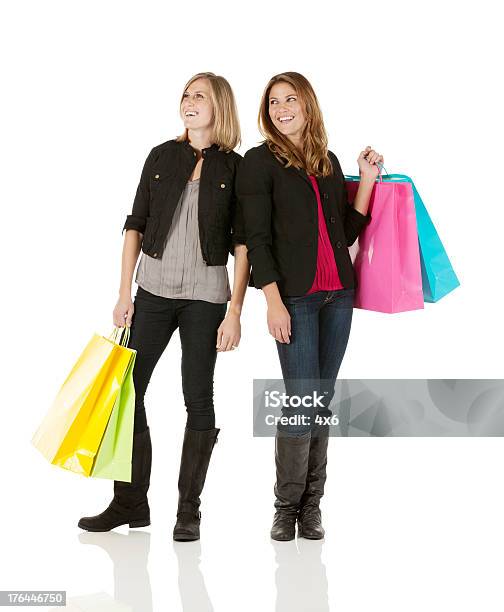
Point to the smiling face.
(286, 110)
(196, 107)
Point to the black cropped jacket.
(166, 171)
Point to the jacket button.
(338, 244)
(194, 153)
(332, 219)
(156, 176)
(222, 185)
(154, 254)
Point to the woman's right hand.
(279, 322)
(123, 312)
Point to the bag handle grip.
(120, 335)
(388, 177)
(356, 178)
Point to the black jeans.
(154, 320)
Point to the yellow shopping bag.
(71, 433)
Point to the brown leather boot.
(129, 504)
(196, 452)
(291, 459)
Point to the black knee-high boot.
(196, 452)
(291, 459)
(310, 518)
(129, 504)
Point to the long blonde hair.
(313, 157)
(226, 126)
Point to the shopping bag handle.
(122, 333)
(356, 178)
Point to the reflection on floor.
(300, 577)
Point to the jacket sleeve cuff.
(135, 222)
(355, 222)
(237, 237)
(263, 266)
(234, 243)
(237, 228)
(361, 219)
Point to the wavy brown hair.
(313, 157)
(226, 126)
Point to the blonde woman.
(184, 220)
(298, 225)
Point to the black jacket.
(166, 171)
(279, 208)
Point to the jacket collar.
(208, 150)
(300, 172)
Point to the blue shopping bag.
(438, 275)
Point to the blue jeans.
(320, 328)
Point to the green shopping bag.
(113, 460)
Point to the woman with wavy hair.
(298, 225)
(184, 219)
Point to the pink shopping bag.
(387, 256)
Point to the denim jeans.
(320, 328)
(155, 318)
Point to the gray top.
(181, 272)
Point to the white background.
(89, 89)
